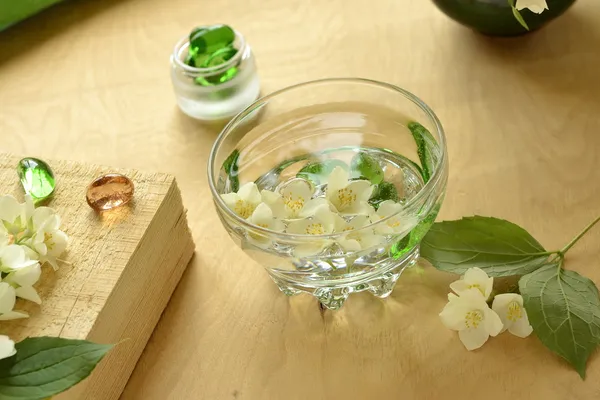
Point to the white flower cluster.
(296, 210)
(29, 237)
(468, 313)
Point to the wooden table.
(88, 81)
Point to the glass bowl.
(331, 185)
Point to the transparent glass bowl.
(282, 135)
(221, 101)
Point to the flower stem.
(576, 239)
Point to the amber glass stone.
(109, 191)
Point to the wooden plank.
(121, 269)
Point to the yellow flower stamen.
(315, 229)
(514, 312)
(294, 205)
(243, 208)
(48, 240)
(346, 197)
(473, 319)
(478, 287)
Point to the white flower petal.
(388, 207)
(7, 298)
(349, 244)
(250, 193)
(492, 322)
(230, 199)
(310, 249)
(536, 6)
(12, 256)
(459, 286)
(521, 327)
(310, 208)
(13, 315)
(358, 222)
(56, 243)
(27, 276)
(7, 347)
(10, 209)
(453, 314)
(262, 216)
(44, 217)
(337, 180)
(28, 293)
(298, 227)
(275, 202)
(298, 189)
(362, 189)
(473, 338)
(368, 240)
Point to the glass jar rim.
(203, 71)
(429, 186)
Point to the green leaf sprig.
(46, 366)
(563, 306)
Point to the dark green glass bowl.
(495, 17)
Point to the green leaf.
(499, 247)
(564, 310)
(367, 167)
(46, 366)
(317, 172)
(230, 165)
(519, 17)
(384, 191)
(424, 141)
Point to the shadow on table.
(561, 59)
(33, 32)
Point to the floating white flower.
(263, 217)
(8, 299)
(474, 278)
(358, 237)
(245, 201)
(294, 202)
(23, 280)
(397, 224)
(536, 6)
(509, 306)
(7, 347)
(348, 197)
(322, 223)
(470, 315)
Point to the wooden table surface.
(89, 81)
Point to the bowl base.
(333, 295)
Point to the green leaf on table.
(230, 165)
(318, 171)
(498, 247)
(384, 191)
(366, 167)
(46, 366)
(564, 310)
(424, 141)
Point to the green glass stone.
(219, 57)
(209, 39)
(384, 191)
(317, 172)
(36, 177)
(366, 167)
